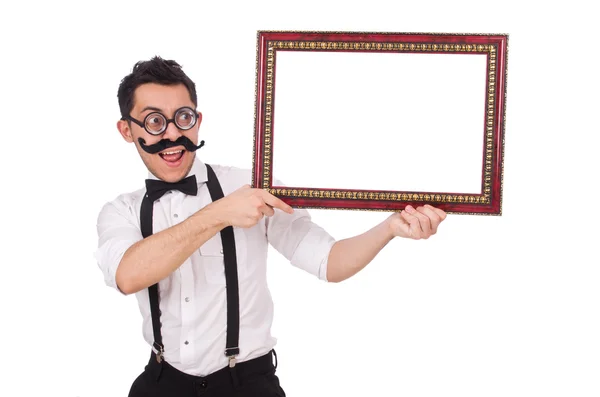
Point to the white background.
(491, 306)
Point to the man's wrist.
(209, 218)
(390, 225)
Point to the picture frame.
(423, 113)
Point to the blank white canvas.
(418, 119)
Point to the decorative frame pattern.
(495, 47)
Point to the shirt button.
(221, 251)
(186, 342)
(175, 215)
(187, 299)
(203, 384)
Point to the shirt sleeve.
(117, 231)
(304, 243)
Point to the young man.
(192, 247)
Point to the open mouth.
(172, 157)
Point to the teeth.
(175, 152)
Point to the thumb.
(401, 226)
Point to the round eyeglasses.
(156, 123)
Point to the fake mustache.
(165, 144)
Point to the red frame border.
(489, 202)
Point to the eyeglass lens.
(156, 123)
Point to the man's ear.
(199, 119)
(125, 130)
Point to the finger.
(267, 210)
(275, 202)
(256, 215)
(441, 213)
(414, 230)
(424, 222)
(434, 218)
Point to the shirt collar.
(198, 169)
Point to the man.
(192, 246)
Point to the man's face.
(174, 163)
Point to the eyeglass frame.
(167, 121)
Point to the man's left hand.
(417, 224)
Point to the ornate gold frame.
(489, 202)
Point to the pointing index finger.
(276, 202)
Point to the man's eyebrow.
(150, 108)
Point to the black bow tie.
(155, 189)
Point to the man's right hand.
(246, 206)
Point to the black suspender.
(231, 276)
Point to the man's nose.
(172, 132)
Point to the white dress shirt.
(192, 299)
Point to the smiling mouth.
(172, 156)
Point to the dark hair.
(156, 70)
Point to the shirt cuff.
(108, 257)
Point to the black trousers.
(246, 379)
